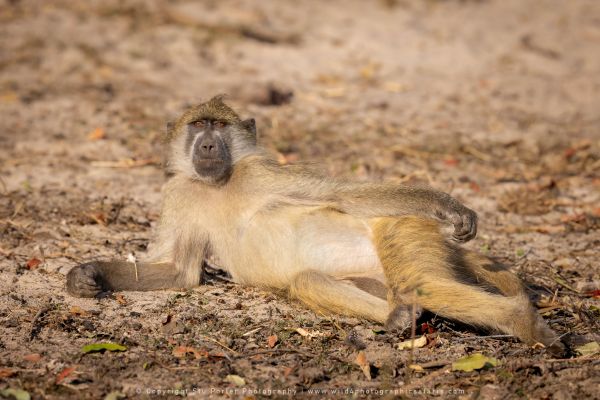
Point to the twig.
(420, 172)
(578, 359)
(117, 211)
(271, 351)
(126, 163)
(528, 44)
(219, 343)
(426, 379)
(413, 333)
(4, 188)
(478, 154)
(434, 364)
(36, 326)
(334, 323)
(561, 282)
(485, 337)
(301, 352)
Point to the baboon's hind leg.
(417, 259)
(487, 270)
(324, 293)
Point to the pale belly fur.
(275, 246)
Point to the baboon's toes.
(400, 319)
(557, 349)
(83, 281)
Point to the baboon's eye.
(200, 124)
(219, 124)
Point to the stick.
(219, 343)
(413, 332)
(36, 327)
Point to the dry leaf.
(99, 218)
(182, 351)
(310, 335)
(115, 396)
(272, 341)
(287, 371)
(416, 367)
(409, 344)
(33, 263)
(363, 363)
(236, 380)
(63, 374)
(9, 97)
(588, 349)
(76, 310)
(120, 298)
(334, 92)
(96, 134)
(33, 357)
(17, 394)
(302, 332)
(6, 372)
(368, 71)
(394, 87)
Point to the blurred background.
(495, 101)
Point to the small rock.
(173, 327)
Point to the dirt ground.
(496, 102)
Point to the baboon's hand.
(464, 220)
(84, 280)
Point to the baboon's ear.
(250, 126)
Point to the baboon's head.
(207, 141)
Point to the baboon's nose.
(208, 147)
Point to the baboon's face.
(214, 146)
(208, 144)
(208, 140)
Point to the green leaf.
(588, 349)
(473, 362)
(520, 252)
(96, 347)
(18, 394)
(115, 396)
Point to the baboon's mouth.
(214, 168)
(208, 161)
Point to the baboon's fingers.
(465, 226)
(82, 281)
(84, 290)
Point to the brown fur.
(215, 108)
(421, 266)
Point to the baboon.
(369, 250)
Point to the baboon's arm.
(183, 270)
(369, 200)
(376, 200)
(92, 278)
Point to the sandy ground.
(496, 102)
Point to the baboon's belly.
(339, 245)
(279, 245)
